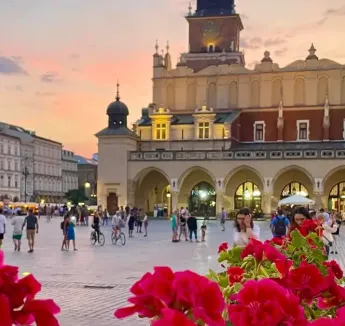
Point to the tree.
(76, 196)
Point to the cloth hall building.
(218, 134)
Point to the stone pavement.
(91, 283)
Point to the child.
(203, 230)
(146, 223)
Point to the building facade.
(69, 171)
(87, 177)
(10, 167)
(218, 134)
(35, 165)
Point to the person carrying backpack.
(280, 224)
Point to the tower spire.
(168, 47)
(157, 46)
(118, 91)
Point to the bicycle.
(93, 238)
(120, 236)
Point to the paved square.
(91, 283)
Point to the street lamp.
(87, 185)
(25, 174)
(168, 194)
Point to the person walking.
(193, 228)
(17, 234)
(146, 224)
(183, 227)
(2, 226)
(280, 224)
(71, 235)
(174, 227)
(64, 228)
(223, 219)
(31, 223)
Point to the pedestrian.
(326, 232)
(17, 234)
(106, 217)
(193, 228)
(183, 227)
(31, 223)
(280, 224)
(223, 219)
(140, 219)
(131, 222)
(64, 226)
(2, 226)
(203, 231)
(244, 228)
(71, 235)
(146, 224)
(336, 218)
(174, 226)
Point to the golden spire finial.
(118, 91)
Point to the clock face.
(211, 29)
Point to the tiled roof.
(85, 161)
(122, 131)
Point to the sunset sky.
(60, 59)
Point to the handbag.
(330, 243)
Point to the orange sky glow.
(60, 60)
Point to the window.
(16, 181)
(17, 151)
(303, 130)
(259, 131)
(204, 130)
(16, 166)
(9, 181)
(161, 131)
(1, 165)
(248, 195)
(8, 165)
(1, 148)
(344, 129)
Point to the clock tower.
(214, 34)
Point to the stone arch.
(236, 178)
(170, 97)
(322, 89)
(343, 90)
(293, 173)
(212, 95)
(333, 178)
(233, 95)
(299, 91)
(189, 179)
(150, 184)
(191, 96)
(255, 93)
(277, 90)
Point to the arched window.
(248, 195)
(212, 95)
(170, 97)
(322, 91)
(343, 91)
(294, 188)
(233, 95)
(191, 97)
(299, 91)
(336, 199)
(202, 200)
(255, 94)
(277, 90)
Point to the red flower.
(334, 267)
(253, 248)
(223, 247)
(173, 318)
(283, 266)
(18, 305)
(276, 240)
(235, 274)
(333, 296)
(339, 320)
(263, 303)
(306, 281)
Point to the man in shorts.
(2, 226)
(31, 223)
(17, 223)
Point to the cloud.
(331, 13)
(45, 94)
(50, 77)
(74, 56)
(15, 88)
(274, 42)
(251, 43)
(9, 66)
(280, 52)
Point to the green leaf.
(237, 287)
(223, 256)
(212, 275)
(235, 255)
(298, 241)
(223, 282)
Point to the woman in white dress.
(244, 228)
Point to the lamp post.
(25, 174)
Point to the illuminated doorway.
(336, 199)
(202, 200)
(294, 188)
(248, 195)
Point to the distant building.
(35, 166)
(69, 171)
(87, 177)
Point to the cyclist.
(116, 223)
(96, 224)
